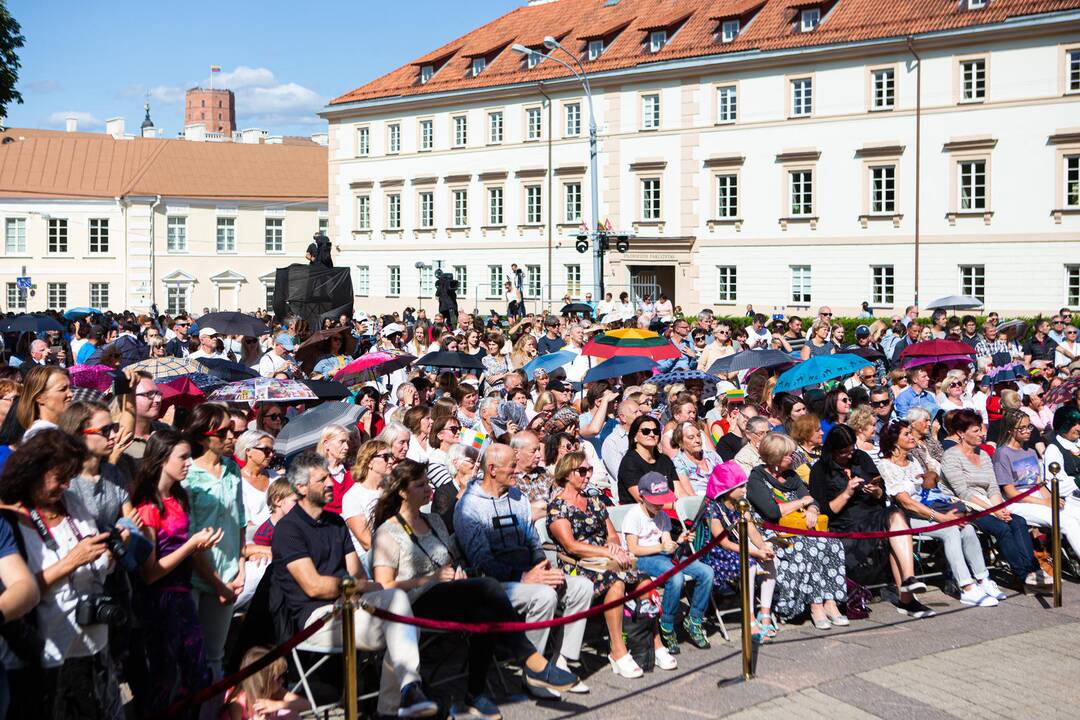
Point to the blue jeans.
(1014, 542)
(702, 575)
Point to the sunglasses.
(266, 450)
(649, 431)
(182, 325)
(826, 314)
(583, 471)
(879, 403)
(104, 430)
(272, 416)
(221, 433)
(384, 456)
(452, 429)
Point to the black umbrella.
(328, 389)
(751, 360)
(228, 370)
(30, 323)
(576, 308)
(451, 360)
(131, 351)
(233, 323)
(866, 353)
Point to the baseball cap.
(392, 329)
(862, 331)
(558, 386)
(207, 332)
(285, 341)
(654, 487)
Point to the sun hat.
(725, 477)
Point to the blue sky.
(98, 58)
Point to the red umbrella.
(937, 348)
(182, 393)
(372, 365)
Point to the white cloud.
(284, 98)
(86, 120)
(245, 77)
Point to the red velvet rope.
(243, 673)
(508, 627)
(896, 533)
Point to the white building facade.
(785, 178)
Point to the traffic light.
(582, 243)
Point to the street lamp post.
(594, 184)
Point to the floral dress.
(724, 562)
(684, 465)
(590, 526)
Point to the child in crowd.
(263, 695)
(280, 498)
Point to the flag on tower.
(215, 68)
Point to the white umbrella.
(956, 302)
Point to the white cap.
(392, 328)
(1030, 389)
(207, 332)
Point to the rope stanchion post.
(1055, 532)
(744, 596)
(348, 647)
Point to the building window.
(809, 19)
(532, 281)
(729, 30)
(393, 280)
(573, 202)
(802, 192)
(727, 196)
(478, 65)
(883, 189)
(726, 283)
(976, 4)
(495, 127)
(726, 104)
(56, 294)
(15, 236)
(426, 71)
(427, 209)
(973, 185)
(1072, 286)
(363, 141)
(58, 235)
(461, 131)
(802, 97)
(394, 138)
(973, 79)
(973, 281)
(16, 298)
(800, 284)
(650, 199)
(268, 292)
(393, 211)
(657, 40)
(363, 280)
(461, 208)
(324, 226)
(650, 112)
(1072, 181)
(275, 241)
(427, 134)
(99, 295)
(495, 281)
(176, 299)
(461, 274)
(363, 212)
(573, 119)
(1072, 70)
(533, 124)
(533, 58)
(495, 206)
(573, 280)
(226, 235)
(99, 235)
(884, 89)
(596, 49)
(883, 280)
(533, 205)
(427, 281)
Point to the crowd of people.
(159, 545)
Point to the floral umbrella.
(263, 390)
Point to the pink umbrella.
(368, 367)
(953, 360)
(182, 393)
(94, 377)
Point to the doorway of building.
(652, 279)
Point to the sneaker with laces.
(914, 609)
(664, 660)
(414, 703)
(669, 638)
(991, 588)
(696, 632)
(976, 596)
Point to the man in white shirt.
(208, 344)
(605, 306)
(277, 360)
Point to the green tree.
(11, 39)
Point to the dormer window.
(533, 59)
(596, 49)
(975, 4)
(657, 40)
(729, 31)
(478, 65)
(426, 71)
(809, 19)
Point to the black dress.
(867, 561)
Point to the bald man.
(617, 442)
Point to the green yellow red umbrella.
(631, 342)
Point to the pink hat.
(725, 478)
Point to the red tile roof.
(772, 29)
(50, 163)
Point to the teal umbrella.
(818, 369)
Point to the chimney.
(115, 127)
(71, 123)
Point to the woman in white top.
(665, 313)
(953, 395)
(647, 307)
(372, 467)
(418, 421)
(254, 448)
(1070, 346)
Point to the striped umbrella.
(170, 367)
(638, 343)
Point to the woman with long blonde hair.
(373, 464)
(263, 694)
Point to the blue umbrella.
(818, 369)
(77, 313)
(681, 376)
(617, 367)
(549, 362)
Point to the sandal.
(759, 633)
(768, 623)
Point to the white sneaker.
(990, 587)
(626, 667)
(975, 596)
(581, 688)
(664, 659)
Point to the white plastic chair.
(687, 508)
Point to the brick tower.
(216, 109)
